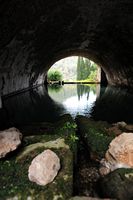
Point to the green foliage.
(69, 125)
(86, 70)
(93, 73)
(73, 137)
(54, 75)
(98, 141)
(70, 128)
(95, 135)
(78, 69)
(92, 76)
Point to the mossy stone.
(117, 184)
(14, 176)
(94, 135)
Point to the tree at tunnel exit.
(83, 68)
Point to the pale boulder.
(119, 154)
(10, 139)
(44, 168)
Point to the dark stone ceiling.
(36, 33)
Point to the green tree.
(83, 68)
(87, 68)
(93, 72)
(79, 68)
(54, 75)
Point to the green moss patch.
(14, 172)
(95, 135)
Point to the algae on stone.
(14, 178)
(14, 169)
(58, 143)
(95, 135)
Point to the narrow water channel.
(47, 105)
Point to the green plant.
(54, 75)
(69, 125)
(73, 137)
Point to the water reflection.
(39, 105)
(76, 99)
(81, 90)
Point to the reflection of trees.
(83, 89)
(64, 93)
(93, 88)
(55, 87)
(67, 91)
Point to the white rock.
(10, 139)
(44, 168)
(119, 154)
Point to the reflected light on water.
(76, 99)
(75, 106)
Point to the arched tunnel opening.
(33, 36)
(73, 69)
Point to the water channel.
(48, 104)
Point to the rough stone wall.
(36, 33)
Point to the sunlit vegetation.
(74, 68)
(86, 70)
(54, 75)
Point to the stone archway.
(33, 35)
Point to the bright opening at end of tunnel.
(75, 69)
(76, 95)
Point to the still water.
(75, 99)
(48, 104)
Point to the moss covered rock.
(14, 180)
(117, 184)
(94, 135)
(14, 177)
(56, 144)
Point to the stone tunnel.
(36, 34)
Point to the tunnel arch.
(36, 34)
(77, 54)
